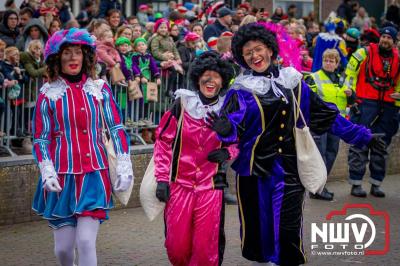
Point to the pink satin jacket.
(190, 166)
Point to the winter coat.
(214, 30)
(64, 14)
(107, 54)
(8, 72)
(25, 39)
(161, 44)
(35, 70)
(10, 37)
(187, 55)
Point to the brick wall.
(18, 180)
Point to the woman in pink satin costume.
(188, 177)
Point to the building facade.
(374, 8)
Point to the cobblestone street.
(129, 239)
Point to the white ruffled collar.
(329, 36)
(288, 78)
(56, 89)
(192, 104)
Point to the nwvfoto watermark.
(350, 234)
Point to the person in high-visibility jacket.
(327, 84)
(373, 72)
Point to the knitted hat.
(224, 11)
(353, 33)
(71, 36)
(191, 37)
(143, 7)
(159, 22)
(391, 31)
(227, 34)
(371, 36)
(158, 15)
(182, 9)
(245, 6)
(189, 5)
(139, 40)
(212, 41)
(122, 40)
(178, 22)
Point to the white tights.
(83, 236)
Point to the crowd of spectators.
(164, 41)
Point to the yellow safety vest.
(329, 91)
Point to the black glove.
(162, 191)
(218, 155)
(221, 125)
(377, 144)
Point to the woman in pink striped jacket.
(74, 191)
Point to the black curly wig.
(211, 61)
(252, 32)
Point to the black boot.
(357, 191)
(377, 192)
(324, 195)
(229, 198)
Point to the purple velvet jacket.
(124, 68)
(263, 126)
(155, 72)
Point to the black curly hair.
(211, 61)
(252, 32)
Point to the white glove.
(49, 176)
(124, 173)
(51, 184)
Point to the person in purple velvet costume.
(258, 114)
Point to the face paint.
(210, 83)
(257, 55)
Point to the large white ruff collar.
(192, 104)
(56, 89)
(288, 78)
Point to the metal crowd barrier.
(139, 116)
(15, 122)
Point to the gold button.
(283, 112)
(283, 99)
(280, 150)
(82, 109)
(87, 154)
(280, 138)
(84, 131)
(282, 125)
